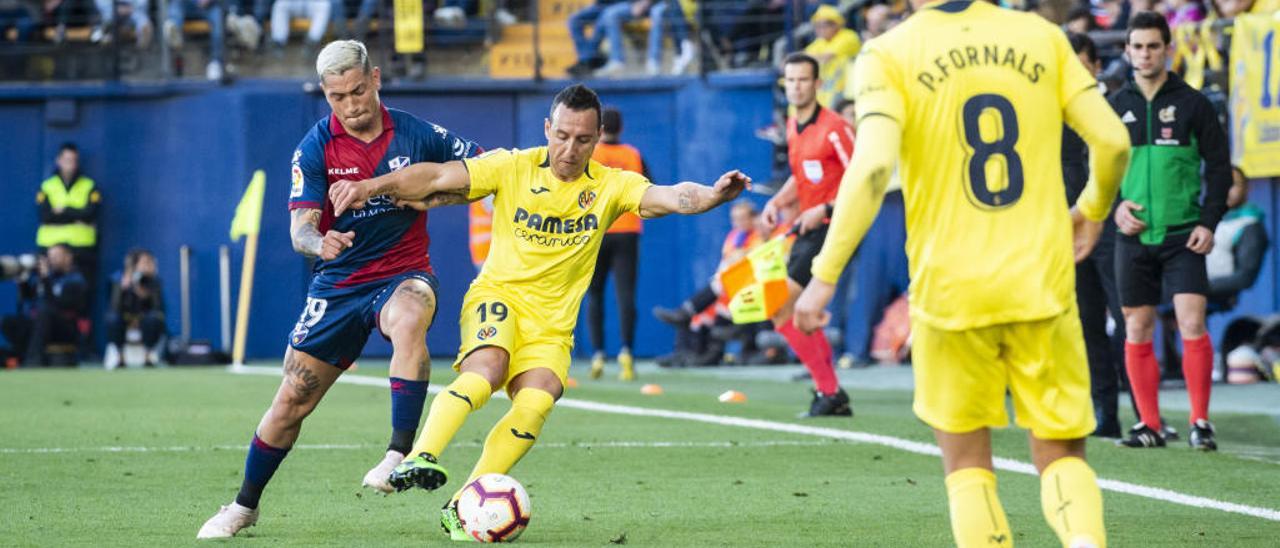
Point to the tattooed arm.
(305, 232)
(692, 198)
(414, 183)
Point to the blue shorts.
(336, 321)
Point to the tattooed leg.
(306, 379)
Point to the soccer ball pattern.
(494, 508)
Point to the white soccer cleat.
(229, 520)
(378, 478)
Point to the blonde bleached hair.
(340, 56)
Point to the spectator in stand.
(1080, 20)
(136, 11)
(668, 14)
(1181, 12)
(878, 19)
(20, 15)
(137, 302)
(589, 56)
(834, 48)
(610, 24)
(210, 10)
(1239, 245)
(619, 253)
(68, 202)
(54, 300)
(315, 11)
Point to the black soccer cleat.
(1201, 436)
(676, 317)
(835, 405)
(1141, 436)
(421, 471)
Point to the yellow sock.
(977, 519)
(1072, 503)
(449, 410)
(515, 433)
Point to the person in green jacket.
(68, 202)
(1166, 228)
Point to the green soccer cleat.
(451, 524)
(420, 471)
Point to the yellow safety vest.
(77, 197)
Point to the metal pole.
(535, 6)
(224, 294)
(166, 60)
(184, 254)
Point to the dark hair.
(134, 255)
(68, 146)
(801, 57)
(1082, 43)
(578, 97)
(611, 121)
(1148, 20)
(841, 103)
(1083, 12)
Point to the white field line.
(920, 448)
(354, 446)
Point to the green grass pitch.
(142, 458)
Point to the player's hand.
(811, 309)
(1201, 240)
(731, 184)
(1129, 224)
(1085, 234)
(348, 195)
(812, 218)
(335, 243)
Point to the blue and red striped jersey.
(389, 240)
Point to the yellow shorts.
(961, 377)
(490, 317)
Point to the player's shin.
(449, 410)
(259, 465)
(515, 433)
(977, 518)
(1072, 503)
(407, 399)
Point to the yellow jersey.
(980, 104)
(842, 48)
(546, 233)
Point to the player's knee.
(1192, 328)
(489, 362)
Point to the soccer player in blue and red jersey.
(372, 271)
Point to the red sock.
(1197, 369)
(815, 353)
(1144, 381)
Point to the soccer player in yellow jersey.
(973, 117)
(551, 208)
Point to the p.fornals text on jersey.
(986, 55)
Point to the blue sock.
(407, 398)
(259, 466)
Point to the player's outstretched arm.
(861, 193)
(413, 183)
(692, 198)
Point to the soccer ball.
(494, 508)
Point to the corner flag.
(249, 213)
